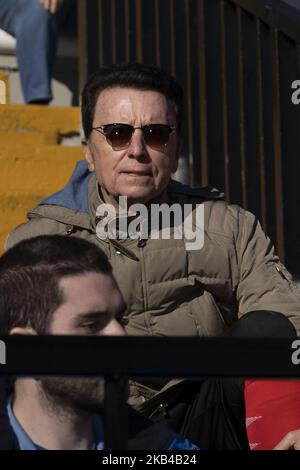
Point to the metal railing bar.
(242, 107)
(139, 31)
(172, 39)
(132, 356)
(157, 33)
(127, 30)
(100, 33)
(277, 144)
(283, 22)
(225, 103)
(202, 93)
(113, 31)
(189, 93)
(260, 125)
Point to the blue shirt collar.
(25, 442)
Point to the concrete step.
(32, 164)
(36, 170)
(29, 139)
(36, 118)
(27, 176)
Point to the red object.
(272, 410)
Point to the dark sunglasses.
(119, 136)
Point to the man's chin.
(139, 194)
(75, 396)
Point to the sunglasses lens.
(118, 135)
(157, 135)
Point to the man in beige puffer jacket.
(131, 118)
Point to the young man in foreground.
(52, 285)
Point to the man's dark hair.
(30, 273)
(132, 75)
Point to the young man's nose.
(113, 329)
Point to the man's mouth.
(137, 173)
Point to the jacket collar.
(77, 202)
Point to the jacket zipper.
(119, 248)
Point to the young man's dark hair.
(132, 75)
(30, 273)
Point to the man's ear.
(178, 150)
(88, 155)
(23, 330)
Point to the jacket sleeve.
(264, 282)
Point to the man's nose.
(113, 329)
(137, 145)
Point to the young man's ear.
(88, 155)
(21, 330)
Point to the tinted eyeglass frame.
(146, 136)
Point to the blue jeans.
(36, 32)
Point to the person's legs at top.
(8, 12)
(36, 31)
(36, 52)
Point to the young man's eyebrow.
(95, 314)
(91, 315)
